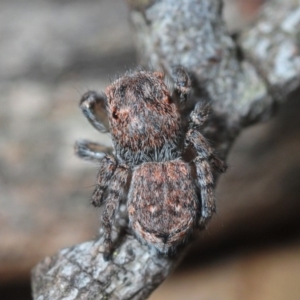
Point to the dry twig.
(247, 79)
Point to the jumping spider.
(160, 165)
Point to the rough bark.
(246, 79)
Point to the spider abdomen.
(162, 203)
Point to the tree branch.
(246, 80)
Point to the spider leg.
(93, 106)
(204, 175)
(206, 183)
(203, 149)
(91, 151)
(116, 193)
(182, 85)
(108, 166)
(199, 115)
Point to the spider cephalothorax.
(166, 192)
(145, 123)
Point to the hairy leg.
(205, 183)
(204, 150)
(204, 176)
(116, 193)
(93, 106)
(182, 85)
(108, 166)
(91, 151)
(198, 115)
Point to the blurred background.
(52, 51)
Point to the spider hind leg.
(115, 195)
(204, 173)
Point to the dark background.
(51, 52)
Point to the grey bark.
(247, 79)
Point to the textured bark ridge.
(80, 272)
(246, 80)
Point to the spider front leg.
(182, 85)
(91, 151)
(96, 152)
(93, 106)
(115, 195)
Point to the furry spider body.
(160, 166)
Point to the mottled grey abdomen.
(162, 203)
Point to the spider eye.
(115, 114)
(168, 99)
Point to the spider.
(160, 166)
